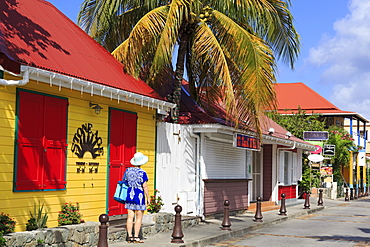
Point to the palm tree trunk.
(175, 96)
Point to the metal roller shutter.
(223, 161)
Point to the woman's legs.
(129, 222)
(138, 221)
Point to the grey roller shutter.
(223, 161)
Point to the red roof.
(35, 33)
(290, 96)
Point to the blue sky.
(335, 52)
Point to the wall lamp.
(96, 107)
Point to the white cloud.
(345, 58)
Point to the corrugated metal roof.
(35, 33)
(290, 96)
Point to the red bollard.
(177, 234)
(282, 210)
(258, 216)
(307, 201)
(320, 202)
(226, 221)
(103, 230)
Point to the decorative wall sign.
(85, 140)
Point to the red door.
(122, 147)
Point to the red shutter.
(55, 129)
(29, 140)
(41, 143)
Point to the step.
(265, 206)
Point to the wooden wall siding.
(290, 191)
(267, 172)
(89, 189)
(217, 191)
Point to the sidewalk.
(209, 231)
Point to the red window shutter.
(55, 130)
(29, 139)
(41, 149)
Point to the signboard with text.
(315, 135)
(247, 142)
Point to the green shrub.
(7, 224)
(155, 203)
(38, 218)
(2, 240)
(70, 214)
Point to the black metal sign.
(85, 140)
(329, 150)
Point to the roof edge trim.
(96, 89)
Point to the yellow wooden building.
(70, 118)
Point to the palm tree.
(226, 49)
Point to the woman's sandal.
(130, 239)
(137, 240)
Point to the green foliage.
(2, 240)
(343, 146)
(69, 214)
(155, 203)
(296, 123)
(38, 218)
(7, 224)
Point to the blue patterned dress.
(135, 177)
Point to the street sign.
(329, 150)
(316, 135)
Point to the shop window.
(40, 150)
(286, 168)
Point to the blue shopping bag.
(121, 192)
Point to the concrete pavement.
(209, 231)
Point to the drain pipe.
(22, 82)
(197, 170)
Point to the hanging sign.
(329, 150)
(247, 142)
(315, 135)
(361, 160)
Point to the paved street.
(347, 224)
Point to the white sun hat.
(139, 159)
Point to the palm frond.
(143, 40)
(207, 49)
(177, 14)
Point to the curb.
(244, 230)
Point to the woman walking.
(137, 195)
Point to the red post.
(307, 201)
(282, 210)
(177, 234)
(226, 221)
(103, 231)
(258, 216)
